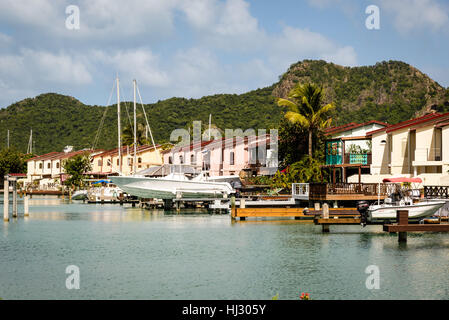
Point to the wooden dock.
(296, 213)
(402, 226)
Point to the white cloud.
(140, 64)
(297, 44)
(416, 14)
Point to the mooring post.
(243, 206)
(14, 196)
(6, 199)
(25, 206)
(402, 220)
(233, 208)
(325, 211)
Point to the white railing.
(300, 191)
(428, 154)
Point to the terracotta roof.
(125, 149)
(411, 122)
(353, 125)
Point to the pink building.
(228, 156)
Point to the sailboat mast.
(210, 122)
(7, 140)
(135, 130)
(119, 128)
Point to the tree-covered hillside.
(388, 91)
(59, 120)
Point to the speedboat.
(172, 186)
(398, 200)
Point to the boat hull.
(143, 187)
(415, 211)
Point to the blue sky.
(192, 48)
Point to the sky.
(192, 48)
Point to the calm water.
(129, 253)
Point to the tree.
(76, 167)
(128, 135)
(305, 104)
(12, 161)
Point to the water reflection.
(127, 252)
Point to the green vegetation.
(306, 109)
(307, 170)
(76, 167)
(13, 161)
(388, 91)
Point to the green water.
(131, 253)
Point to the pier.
(402, 226)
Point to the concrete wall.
(380, 154)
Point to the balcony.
(349, 158)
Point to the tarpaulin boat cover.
(399, 180)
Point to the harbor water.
(132, 253)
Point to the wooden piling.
(402, 220)
(6, 199)
(325, 211)
(14, 196)
(25, 206)
(233, 211)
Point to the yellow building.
(107, 163)
(413, 148)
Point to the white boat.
(172, 186)
(419, 210)
(79, 195)
(106, 194)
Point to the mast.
(119, 129)
(135, 130)
(210, 122)
(7, 140)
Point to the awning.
(399, 180)
(102, 181)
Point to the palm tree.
(128, 135)
(305, 104)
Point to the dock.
(296, 213)
(402, 226)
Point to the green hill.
(388, 91)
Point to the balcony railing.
(350, 158)
(321, 190)
(428, 154)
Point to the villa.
(228, 156)
(414, 148)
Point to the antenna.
(118, 128)
(135, 130)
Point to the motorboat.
(172, 186)
(80, 195)
(398, 200)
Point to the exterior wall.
(445, 151)
(399, 152)
(424, 140)
(380, 154)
